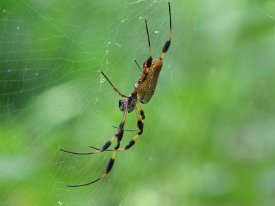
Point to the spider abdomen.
(148, 80)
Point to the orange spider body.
(148, 80)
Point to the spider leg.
(137, 64)
(168, 43)
(96, 148)
(104, 148)
(117, 135)
(126, 130)
(111, 162)
(140, 125)
(141, 112)
(150, 59)
(114, 88)
(78, 153)
(109, 150)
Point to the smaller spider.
(143, 91)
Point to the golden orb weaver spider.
(143, 92)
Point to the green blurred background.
(209, 136)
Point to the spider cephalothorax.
(143, 91)
(128, 103)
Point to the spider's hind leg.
(104, 148)
(118, 136)
(140, 125)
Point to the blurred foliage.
(209, 135)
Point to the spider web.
(53, 96)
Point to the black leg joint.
(149, 62)
(130, 144)
(106, 145)
(117, 146)
(119, 135)
(166, 46)
(142, 114)
(140, 132)
(110, 165)
(140, 125)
